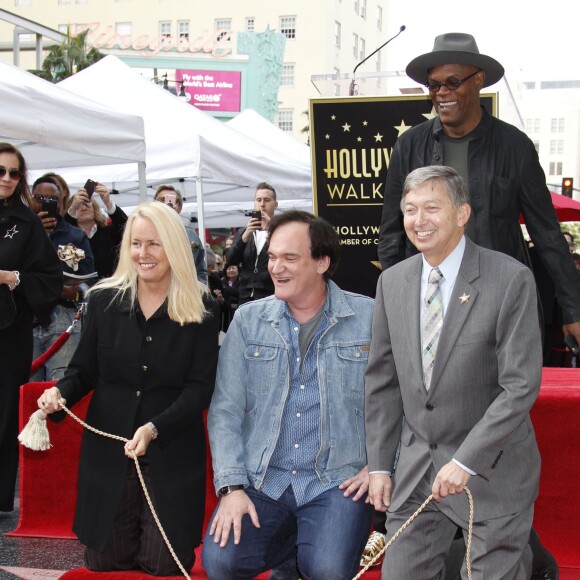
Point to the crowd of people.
(330, 413)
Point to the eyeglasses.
(14, 174)
(451, 84)
(54, 198)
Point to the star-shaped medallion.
(10, 233)
(465, 298)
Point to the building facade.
(551, 112)
(227, 55)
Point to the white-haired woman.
(148, 353)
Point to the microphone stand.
(351, 89)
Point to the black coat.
(505, 180)
(25, 247)
(254, 275)
(143, 370)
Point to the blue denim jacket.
(252, 386)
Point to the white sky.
(533, 40)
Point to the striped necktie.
(432, 323)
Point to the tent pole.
(142, 182)
(200, 213)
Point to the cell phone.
(50, 206)
(171, 199)
(89, 186)
(256, 215)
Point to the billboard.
(213, 91)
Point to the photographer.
(76, 260)
(250, 248)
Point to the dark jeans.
(327, 536)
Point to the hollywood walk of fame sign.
(352, 140)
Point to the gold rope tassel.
(410, 521)
(35, 436)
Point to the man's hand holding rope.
(450, 480)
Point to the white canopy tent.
(185, 144)
(254, 125)
(55, 129)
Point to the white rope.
(410, 521)
(147, 497)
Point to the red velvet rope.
(53, 349)
(57, 344)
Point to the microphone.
(352, 83)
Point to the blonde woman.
(148, 354)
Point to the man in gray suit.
(454, 368)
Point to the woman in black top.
(30, 285)
(148, 354)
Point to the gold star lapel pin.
(465, 298)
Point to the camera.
(254, 214)
(89, 187)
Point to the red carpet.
(556, 418)
(197, 572)
(48, 479)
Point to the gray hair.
(210, 258)
(451, 181)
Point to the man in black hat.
(505, 179)
(499, 163)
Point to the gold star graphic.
(346, 128)
(327, 136)
(430, 115)
(378, 137)
(402, 128)
(333, 117)
(376, 264)
(359, 139)
(365, 123)
(465, 298)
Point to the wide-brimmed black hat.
(455, 48)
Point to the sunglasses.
(14, 174)
(451, 84)
(41, 198)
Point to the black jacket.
(138, 371)
(254, 276)
(505, 180)
(24, 247)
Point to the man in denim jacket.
(286, 422)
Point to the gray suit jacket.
(486, 378)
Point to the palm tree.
(63, 60)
